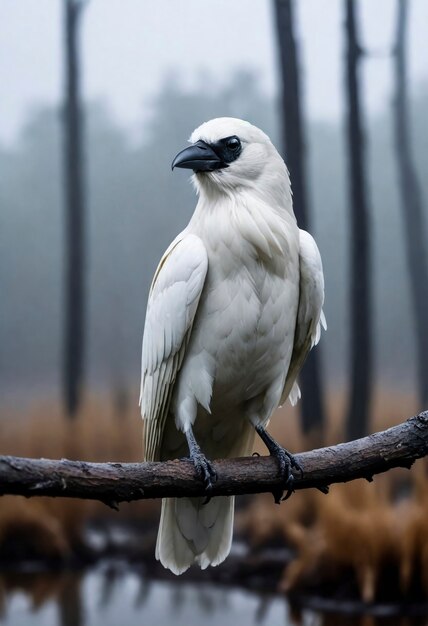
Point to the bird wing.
(173, 300)
(310, 316)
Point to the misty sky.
(129, 46)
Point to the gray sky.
(129, 45)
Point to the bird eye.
(233, 143)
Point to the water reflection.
(112, 596)
(370, 620)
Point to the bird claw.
(287, 462)
(205, 471)
(203, 467)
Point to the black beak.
(199, 157)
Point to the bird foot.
(204, 469)
(286, 462)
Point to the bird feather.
(310, 316)
(171, 309)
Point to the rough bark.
(74, 306)
(360, 283)
(112, 483)
(293, 140)
(412, 204)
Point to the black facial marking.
(227, 149)
(204, 157)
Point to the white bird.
(234, 307)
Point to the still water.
(115, 596)
(111, 598)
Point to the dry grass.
(367, 532)
(98, 433)
(389, 408)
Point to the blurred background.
(96, 100)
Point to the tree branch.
(112, 483)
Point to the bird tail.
(193, 532)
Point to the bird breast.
(243, 333)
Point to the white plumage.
(234, 307)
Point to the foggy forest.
(88, 204)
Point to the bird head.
(227, 154)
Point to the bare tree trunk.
(412, 205)
(360, 279)
(312, 405)
(74, 336)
